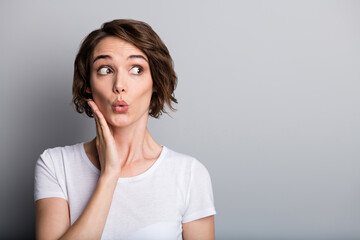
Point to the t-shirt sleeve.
(47, 183)
(200, 200)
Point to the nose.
(120, 85)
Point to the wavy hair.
(142, 36)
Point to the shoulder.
(185, 162)
(56, 160)
(58, 151)
(57, 155)
(194, 184)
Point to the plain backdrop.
(268, 101)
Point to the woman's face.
(120, 80)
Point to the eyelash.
(98, 71)
(141, 69)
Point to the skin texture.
(123, 146)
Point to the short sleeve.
(46, 182)
(199, 200)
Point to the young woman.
(122, 184)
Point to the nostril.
(119, 89)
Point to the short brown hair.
(142, 36)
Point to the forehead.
(115, 46)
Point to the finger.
(99, 133)
(105, 130)
(103, 125)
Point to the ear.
(88, 90)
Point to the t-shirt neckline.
(149, 171)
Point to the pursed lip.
(120, 106)
(120, 103)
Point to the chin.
(124, 120)
(119, 122)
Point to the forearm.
(90, 224)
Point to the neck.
(134, 142)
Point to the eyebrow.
(129, 57)
(137, 56)
(102, 57)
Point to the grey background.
(268, 100)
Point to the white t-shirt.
(153, 205)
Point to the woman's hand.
(110, 162)
(52, 214)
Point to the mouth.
(121, 103)
(120, 106)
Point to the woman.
(122, 184)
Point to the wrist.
(108, 177)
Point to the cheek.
(147, 92)
(144, 88)
(99, 95)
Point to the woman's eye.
(136, 70)
(104, 70)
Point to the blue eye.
(136, 70)
(104, 70)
